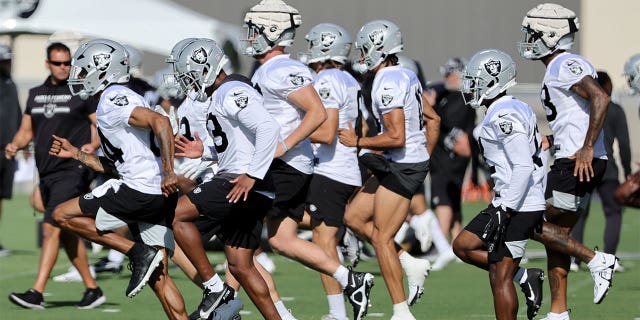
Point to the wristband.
(284, 145)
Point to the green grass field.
(459, 292)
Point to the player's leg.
(325, 236)
(505, 300)
(167, 291)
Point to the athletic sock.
(401, 308)
(552, 316)
(521, 275)
(405, 259)
(282, 310)
(115, 256)
(214, 284)
(439, 240)
(137, 249)
(336, 306)
(342, 276)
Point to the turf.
(458, 292)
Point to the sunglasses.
(59, 63)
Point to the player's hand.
(169, 183)
(190, 149)
(62, 148)
(583, 169)
(495, 228)
(242, 185)
(348, 136)
(10, 150)
(280, 150)
(430, 95)
(193, 169)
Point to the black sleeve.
(621, 133)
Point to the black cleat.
(106, 265)
(210, 301)
(532, 289)
(142, 267)
(31, 299)
(91, 298)
(357, 291)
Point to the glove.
(193, 169)
(172, 117)
(496, 226)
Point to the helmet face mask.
(97, 64)
(376, 40)
(547, 28)
(327, 41)
(488, 73)
(196, 65)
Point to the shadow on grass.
(60, 304)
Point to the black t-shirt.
(454, 115)
(10, 113)
(54, 110)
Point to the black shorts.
(7, 170)
(420, 189)
(565, 191)
(446, 190)
(131, 206)
(291, 190)
(327, 200)
(235, 224)
(401, 178)
(520, 228)
(62, 186)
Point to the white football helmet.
(196, 65)
(270, 23)
(97, 64)
(378, 39)
(488, 73)
(135, 59)
(547, 28)
(632, 72)
(408, 63)
(167, 85)
(327, 41)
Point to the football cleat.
(601, 268)
(357, 291)
(212, 300)
(532, 289)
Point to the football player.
(138, 147)
(334, 179)
(400, 164)
(495, 240)
(290, 97)
(576, 106)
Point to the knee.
(59, 217)
(458, 249)
(278, 244)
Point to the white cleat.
(443, 260)
(556, 316)
(408, 316)
(601, 268)
(421, 226)
(72, 275)
(417, 272)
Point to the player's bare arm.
(431, 120)
(589, 89)
(393, 137)
(307, 99)
(21, 139)
(326, 133)
(147, 118)
(62, 148)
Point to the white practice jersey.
(192, 118)
(245, 135)
(511, 145)
(134, 150)
(275, 80)
(338, 90)
(397, 87)
(567, 112)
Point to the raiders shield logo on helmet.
(199, 55)
(327, 38)
(88, 196)
(506, 127)
(493, 67)
(240, 99)
(296, 80)
(101, 61)
(376, 37)
(574, 67)
(324, 92)
(386, 99)
(120, 100)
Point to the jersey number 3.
(220, 140)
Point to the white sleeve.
(284, 81)
(389, 94)
(252, 115)
(571, 71)
(328, 92)
(518, 153)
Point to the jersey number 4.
(115, 154)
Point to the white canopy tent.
(150, 25)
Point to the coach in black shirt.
(51, 109)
